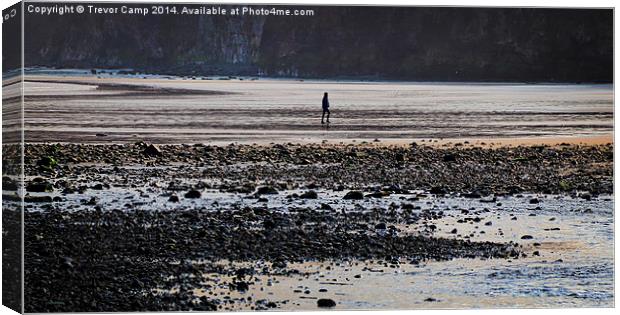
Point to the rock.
(152, 150)
(454, 231)
(266, 190)
(325, 303)
(381, 226)
(585, 196)
(193, 194)
(174, 198)
(29, 198)
(68, 262)
(8, 183)
(241, 286)
(438, 190)
(378, 194)
(40, 187)
(309, 195)
(354, 195)
(449, 157)
(92, 202)
(534, 201)
(269, 224)
(278, 264)
(430, 299)
(47, 162)
(489, 223)
(474, 194)
(325, 206)
(527, 237)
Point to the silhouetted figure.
(325, 108)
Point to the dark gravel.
(96, 257)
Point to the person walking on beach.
(325, 108)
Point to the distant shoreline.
(129, 72)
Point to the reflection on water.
(568, 262)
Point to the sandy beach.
(228, 194)
(81, 109)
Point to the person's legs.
(328, 116)
(323, 117)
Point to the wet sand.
(417, 195)
(79, 109)
(244, 227)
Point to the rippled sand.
(87, 109)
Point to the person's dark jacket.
(325, 103)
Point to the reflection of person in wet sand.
(325, 108)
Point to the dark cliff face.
(449, 44)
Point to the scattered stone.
(8, 183)
(325, 206)
(40, 187)
(266, 190)
(37, 199)
(193, 194)
(328, 303)
(47, 162)
(152, 150)
(381, 226)
(309, 195)
(378, 194)
(354, 195)
(438, 190)
(448, 157)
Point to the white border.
(496, 3)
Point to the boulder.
(311, 194)
(152, 150)
(354, 195)
(193, 194)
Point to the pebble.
(329, 303)
(354, 195)
(193, 194)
